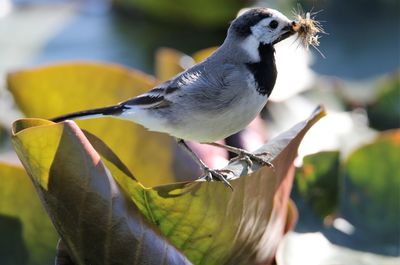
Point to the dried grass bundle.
(308, 29)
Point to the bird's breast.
(207, 126)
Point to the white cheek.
(262, 32)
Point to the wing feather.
(155, 98)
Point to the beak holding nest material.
(286, 32)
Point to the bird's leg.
(245, 155)
(209, 174)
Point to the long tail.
(111, 110)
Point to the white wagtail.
(217, 97)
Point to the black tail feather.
(111, 110)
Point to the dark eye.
(273, 24)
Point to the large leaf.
(371, 195)
(207, 221)
(95, 220)
(54, 90)
(27, 235)
(318, 181)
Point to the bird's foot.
(243, 155)
(218, 175)
(249, 158)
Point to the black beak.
(287, 31)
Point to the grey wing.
(200, 92)
(198, 87)
(212, 87)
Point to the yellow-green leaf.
(56, 89)
(169, 62)
(59, 89)
(370, 199)
(96, 221)
(27, 235)
(34, 159)
(203, 54)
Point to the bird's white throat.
(250, 46)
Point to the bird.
(217, 97)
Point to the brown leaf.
(98, 224)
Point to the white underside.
(203, 127)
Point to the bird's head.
(260, 25)
(266, 25)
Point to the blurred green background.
(348, 184)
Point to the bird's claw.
(249, 158)
(218, 175)
(245, 158)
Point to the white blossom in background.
(294, 73)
